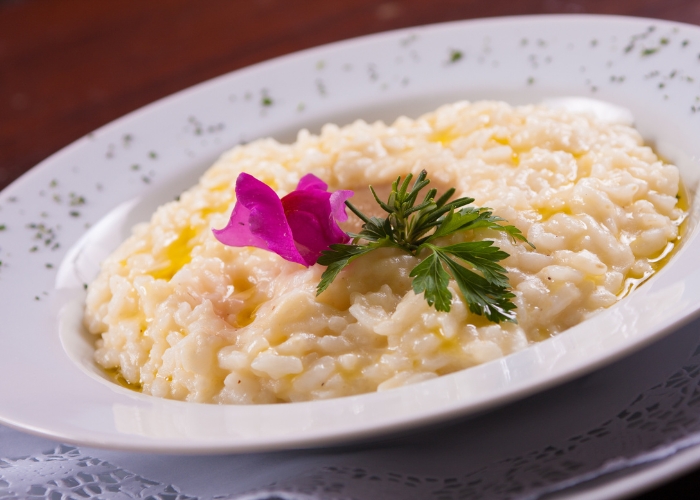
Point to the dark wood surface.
(70, 66)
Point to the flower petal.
(337, 201)
(258, 220)
(310, 181)
(309, 214)
(307, 231)
(298, 228)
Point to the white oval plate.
(69, 212)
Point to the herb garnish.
(414, 228)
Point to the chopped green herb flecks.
(76, 200)
(414, 227)
(42, 232)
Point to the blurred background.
(70, 66)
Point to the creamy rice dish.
(179, 315)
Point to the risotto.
(180, 315)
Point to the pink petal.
(237, 233)
(310, 181)
(258, 220)
(298, 228)
(308, 235)
(309, 214)
(337, 200)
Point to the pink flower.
(297, 228)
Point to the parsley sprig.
(414, 228)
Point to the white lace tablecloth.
(586, 434)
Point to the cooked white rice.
(182, 316)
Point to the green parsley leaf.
(455, 221)
(336, 259)
(484, 257)
(483, 297)
(414, 227)
(431, 279)
(376, 229)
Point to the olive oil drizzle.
(658, 262)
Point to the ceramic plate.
(63, 217)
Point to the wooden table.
(70, 66)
